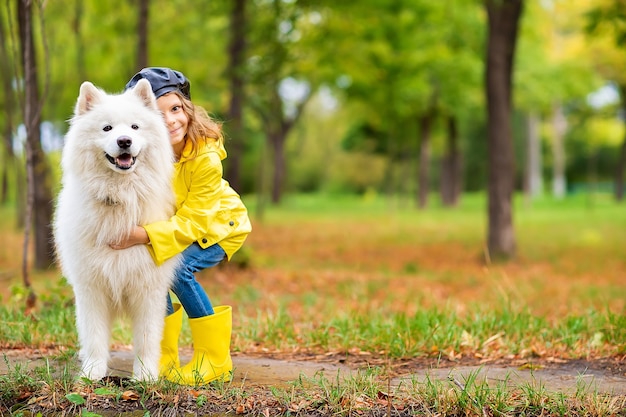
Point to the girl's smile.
(176, 120)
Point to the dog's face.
(115, 131)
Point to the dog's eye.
(107, 128)
(134, 127)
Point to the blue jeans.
(189, 291)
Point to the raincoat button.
(203, 240)
(232, 223)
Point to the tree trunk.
(39, 184)
(277, 127)
(277, 141)
(451, 167)
(78, 37)
(423, 179)
(142, 34)
(619, 172)
(392, 149)
(559, 125)
(8, 156)
(621, 163)
(236, 53)
(533, 186)
(503, 17)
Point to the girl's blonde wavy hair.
(200, 125)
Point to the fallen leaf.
(530, 366)
(130, 396)
(383, 395)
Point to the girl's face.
(175, 119)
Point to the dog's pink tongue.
(124, 160)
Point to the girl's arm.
(138, 236)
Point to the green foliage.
(591, 146)
(74, 398)
(608, 16)
(384, 67)
(544, 76)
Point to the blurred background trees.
(371, 96)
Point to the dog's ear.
(88, 97)
(143, 90)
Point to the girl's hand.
(138, 236)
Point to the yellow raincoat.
(208, 210)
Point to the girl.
(211, 223)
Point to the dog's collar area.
(109, 201)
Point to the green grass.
(492, 333)
(51, 389)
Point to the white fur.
(99, 204)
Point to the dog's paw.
(93, 371)
(144, 373)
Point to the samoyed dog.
(117, 168)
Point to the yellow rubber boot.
(211, 350)
(169, 344)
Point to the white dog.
(117, 169)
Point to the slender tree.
(621, 163)
(8, 156)
(142, 33)
(31, 121)
(277, 27)
(423, 177)
(533, 185)
(79, 9)
(553, 71)
(503, 23)
(450, 186)
(39, 187)
(236, 55)
(608, 19)
(559, 128)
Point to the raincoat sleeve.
(193, 219)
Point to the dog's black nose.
(124, 142)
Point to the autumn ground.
(371, 258)
(389, 263)
(358, 264)
(356, 258)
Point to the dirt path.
(607, 377)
